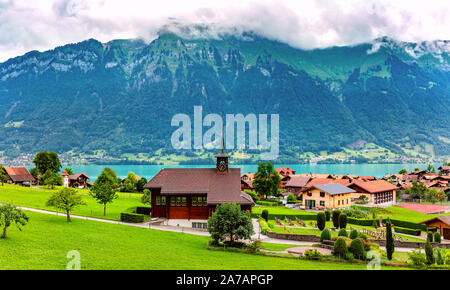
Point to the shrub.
(353, 234)
(447, 258)
(265, 214)
(375, 224)
(253, 247)
(407, 231)
(349, 256)
(291, 198)
(335, 218)
(437, 237)
(321, 220)
(327, 215)
(129, 217)
(325, 235)
(342, 233)
(143, 210)
(313, 255)
(438, 256)
(430, 237)
(342, 221)
(429, 253)
(390, 247)
(340, 248)
(264, 226)
(357, 248)
(417, 258)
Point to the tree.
(11, 214)
(103, 193)
(321, 220)
(65, 199)
(342, 221)
(130, 182)
(432, 195)
(266, 180)
(431, 169)
(146, 197)
(228, 220)
(357, 248)
(3, 176)
(437, 237)
(402, 171)
(253, 194)
(335, 218)
(342, 233)
(52, 178)
(141, 183)
(69, 170)
(390, 248)
(430, 237)
(265, 214)
(353, 234)
(429, 253)
(340, 248)
(327, 215)
(417, 190)
(291, 198)
(325, 235)
(108, 176)
(442, 197)
(45, 161)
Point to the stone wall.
(293, 237)
(416, 245)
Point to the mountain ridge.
(327, 98)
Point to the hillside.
(116, 100)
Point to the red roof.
(19, 174)
(375, 185)
(283, 171)
(77, 175)
(219, 188)
(297, 181)
(318, 181)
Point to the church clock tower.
(222, 159)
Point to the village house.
(247, 181)
(444, 170)
(19, 175)
(327, 196)
(188, 196)
(296, 184)
(285, 174)
(78, 180)
(377, 191)
(442, 223)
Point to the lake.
(148, 171)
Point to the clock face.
(222, 166)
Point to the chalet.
(284, 171)
(444, 170)
(317, 175)
(188, 196)
(76, 180)
(296, 184)
(442, 223)
(327, 196)
(377, 191)
(247, 181)
(19, 175)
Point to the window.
(160, 200)
(173, 201)
(309, 193)
(322, 194)
(322, 203)
(339, 202)
(199, 201)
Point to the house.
(247, 181)
(296, 184)
(377, 191)
(327, 196)
(284, 171)
(188, 196)
(76, 180)
(317, 175)
(442, 223)
(444, 170)
(19, 175)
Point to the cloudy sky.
(43, 24)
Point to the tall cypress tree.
(389, 240)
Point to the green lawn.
(280, 210)
(36, 198)
(405, 214)
(46, 240)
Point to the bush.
(143, 210)
(313, 255)
(349, 256)
(438, 256)
(429, 253)
(417, 258)
(340, 248)
(342, 233)
(327, 215)
(254, 247)
(264, 226)
(353, 234)
(265, 214)
(129, 217)
(325, 235)
(437, 237)
(253, 194)
(357, 248)
(321, 220)
(342, 221)
(407, 231)
(335, 218)
(430, 237)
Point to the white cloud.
(39, 25)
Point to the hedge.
(414, 232)
(143, 210)
(397, 223)
(312, 217)
(131, 217)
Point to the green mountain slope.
(118, 98)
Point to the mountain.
(117, 99)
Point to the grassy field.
(36, 198)
(46, 240)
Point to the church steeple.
(222, 157)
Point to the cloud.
(40, 25)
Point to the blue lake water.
(148, 171)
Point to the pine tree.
(390, 248)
